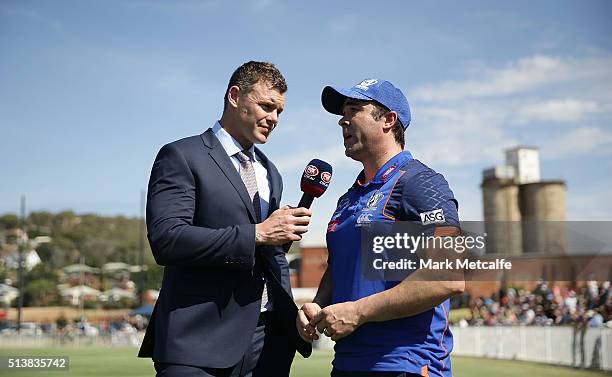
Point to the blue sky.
(89, 91)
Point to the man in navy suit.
(214, 222)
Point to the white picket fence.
(116, 339)
(554, 345)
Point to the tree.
(41, 286)
(41, 292)
(9, 221)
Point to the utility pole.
(22, 241)
(81, 287)
(141, 226)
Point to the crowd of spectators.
(587, 306)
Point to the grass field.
(98, 361)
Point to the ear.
(232, 95)
(390, 119)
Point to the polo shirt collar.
(388, 170)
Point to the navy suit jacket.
(200, 222)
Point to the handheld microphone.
(314, 182)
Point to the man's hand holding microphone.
(287, 224)
(282, 226)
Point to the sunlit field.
(102, 361)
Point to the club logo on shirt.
(311, 171)
(326, 177)
(433, 217)
(373, 201)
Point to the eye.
(268, 107)
(348, 110)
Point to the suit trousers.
(260, 360)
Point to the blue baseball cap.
(381, 91)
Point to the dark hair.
(398, 129)
(250, 73)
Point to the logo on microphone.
(326, 176)
(311, 171)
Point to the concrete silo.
(502, 216)
(542, 207)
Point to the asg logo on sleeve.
(433, 217)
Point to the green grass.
(86, 361)
(319, 365)
(100, 361)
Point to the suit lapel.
(218, 154)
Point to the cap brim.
(333, 98)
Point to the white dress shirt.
(232, 147)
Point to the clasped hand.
(335, 321)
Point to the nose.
(343, 122)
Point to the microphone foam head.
(316, 178)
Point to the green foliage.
(153, 276)
(94, 239)
(120, 304)
(42, 271)
(91, 304)
(41, 286)
(39, 223)
(98, 239)
(45, 252)
(41, 292)
(9, 221)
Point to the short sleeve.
(428, 197)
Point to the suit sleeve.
(174, 240)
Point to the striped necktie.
(247, 173)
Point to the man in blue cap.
(382, 328)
